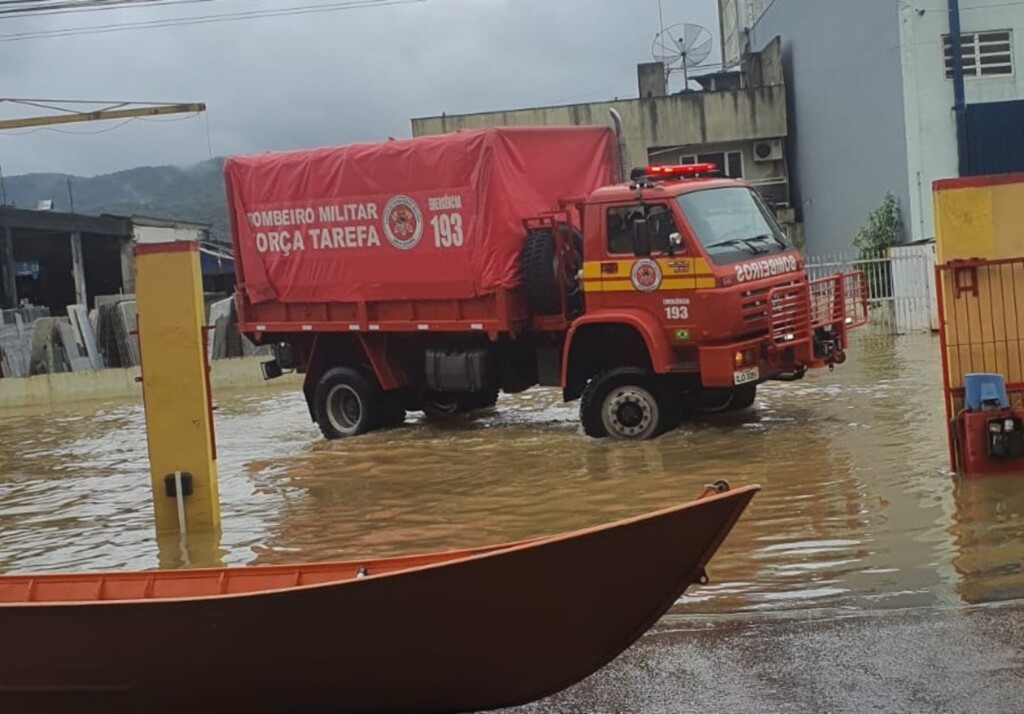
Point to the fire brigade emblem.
(403, 222)
(646, 275)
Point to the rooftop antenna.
(682, 47)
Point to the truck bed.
(401, 234)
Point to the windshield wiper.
(734, 242)
(772, 237)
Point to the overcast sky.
(319, 79)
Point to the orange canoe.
(445, 632)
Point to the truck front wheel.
(625, 403)
(719, 401)
(346, 404)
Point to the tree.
(883, 230)
(884, 227)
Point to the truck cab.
(694, 293)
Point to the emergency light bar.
(664, 173)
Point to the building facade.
(873, 101)
(738, 121)
(735, 18)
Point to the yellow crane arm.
(147, 111)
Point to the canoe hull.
(492, 630)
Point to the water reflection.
(192, 550)
(858, 507)
(987, 530)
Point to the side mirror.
(641, 238)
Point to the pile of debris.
(32, 342)
(16, 328)
(117, 323)
(224, 340)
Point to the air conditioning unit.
(769, 150)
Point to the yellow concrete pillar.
(979, 218)
(176, 387)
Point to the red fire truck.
(433, 273)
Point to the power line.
(43, 5)
(206, 19)
(63, 7)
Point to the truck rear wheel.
(346, 404)
(392, 411)
(626, 403)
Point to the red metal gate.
(981, 327)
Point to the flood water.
(858, 508)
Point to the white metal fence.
(901, 285)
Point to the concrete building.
(55, 259)
(739, 121)
(735, 18)
(873, 101)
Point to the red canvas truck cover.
(437, 217)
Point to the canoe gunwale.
(434, 561)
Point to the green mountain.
(190, 194)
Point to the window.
(984, 54)
(732, 224)
(620, 227)
(729, 162)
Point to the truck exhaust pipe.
(620, 141)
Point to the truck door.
(663, 283)
(626, 277)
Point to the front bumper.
(760, 362)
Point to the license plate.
(745, 376)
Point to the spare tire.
(544, 275)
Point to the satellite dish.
(682, 47)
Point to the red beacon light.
(680, 171)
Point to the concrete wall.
(57, 389)
(693, 119)
(847, 137)
(167, 234)
(930, 123)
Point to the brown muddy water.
(858, 509)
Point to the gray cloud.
(293, 82)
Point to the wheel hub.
(344, 408)
(630, 412)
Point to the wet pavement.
(917, 661)
(864, 577)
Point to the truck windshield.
(732, 223)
